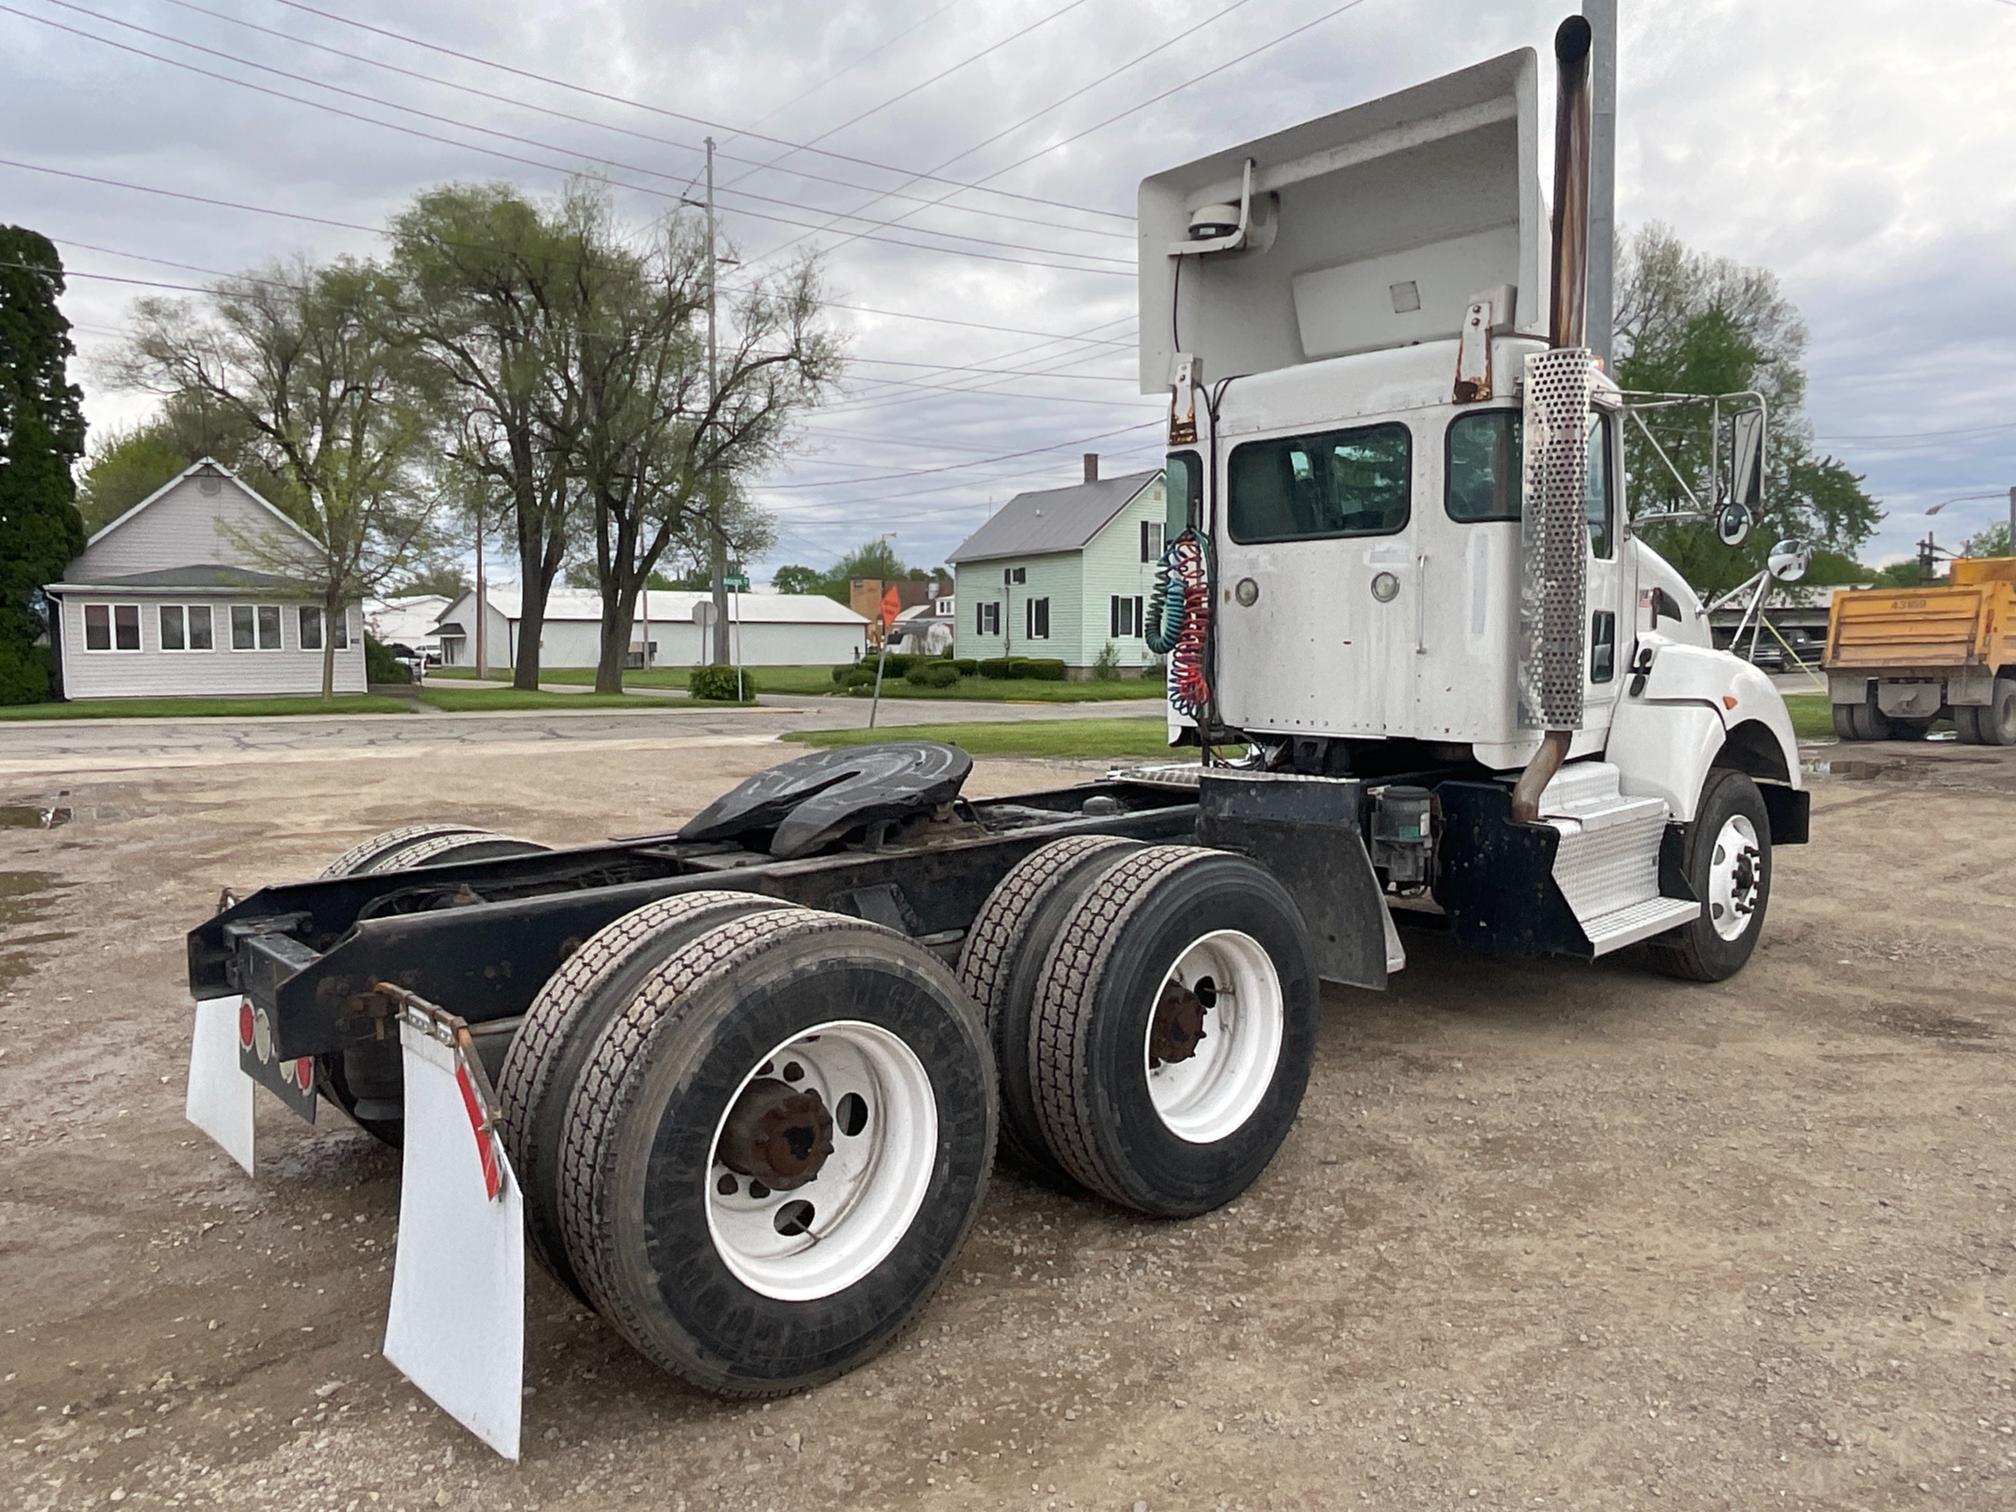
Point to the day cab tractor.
(1899, 659)
(739, 1084)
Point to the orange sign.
(891, 607)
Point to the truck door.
(1318, 582)
(1613, 586)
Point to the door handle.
(1421, 604)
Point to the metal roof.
(668, 604)
(1053, 519)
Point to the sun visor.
(1374, 227)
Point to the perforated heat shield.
(1554, 540)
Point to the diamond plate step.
(1637, 921)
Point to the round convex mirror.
(1788, 561)
(1732, 523)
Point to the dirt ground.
(1546, 1235)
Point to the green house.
(1063, 573)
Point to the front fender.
(1696, 706)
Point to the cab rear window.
(1354, 482)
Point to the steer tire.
(1095, 1002)
(1697, 951)
(1003, 956)
(543, 1064)
(370, 1074)
(639, 1178)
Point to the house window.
(311, 628)
(255, 627)
(185, 627)
(111, 627)
(1036, 618)
(1151, 540)
(986, 619)
(1126, 615)
(1014, 574)
(343, 631)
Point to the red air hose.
(1179, 624)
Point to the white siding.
(462, 653)
(577, 643)
(186, 527)
(151, 672)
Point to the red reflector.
(304, 1072)
(486, 1147)
(245, 1023)
(1728, 700)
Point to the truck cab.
(1409, 477)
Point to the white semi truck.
(740, 1084)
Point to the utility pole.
(482, 603)
(717, 539)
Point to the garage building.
(771, 629)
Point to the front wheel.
(1728, 863)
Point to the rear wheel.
(367, 1080)
(1003, 957)
(1867, 721)
(1727, 856)
(776, 1150)
(1173, 1028)
(1995, 722)
(1844, 722)
(543, 1064)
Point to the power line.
(580, 120)
(1038, 115)
(1123, 268)
(557, 83)
(1976, 430)
(921, 84)
(1031, 451)
(961, 367)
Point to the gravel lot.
(1546, 1235)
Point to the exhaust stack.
(1567, 311)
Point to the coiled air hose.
(1179, 621)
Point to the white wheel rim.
(1215, 1091)
(863, 1199)
(1735, 868)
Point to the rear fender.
(1696, 709)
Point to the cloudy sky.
(1861, 150)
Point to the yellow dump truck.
(1900, 658)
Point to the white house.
(770, 629)
(172, 599)
(407, 620)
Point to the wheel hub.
(777, 1134)
(1178, 1026)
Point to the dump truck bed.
(1970, 623)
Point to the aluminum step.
(1607, 863)
(1637, 921)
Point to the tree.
(790, 579)
(444, 580)
(871, 559)
(304, 356)
(41, 436)
(131, 463)
(1688, 323)
(492, 293)
(1992, 542)
(648, 437)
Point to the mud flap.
(457, 1323)
(219, 1100)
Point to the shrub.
(380, 665)
(24, 673)
(861, 677)
(841, 674)
(717, 684)
(932, 674)
(1041, 669)
(1106, 665)
(897, 664)
(992, 666)
(967, 666)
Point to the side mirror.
(1746, 458)
(1732, 524)
(1788, 561)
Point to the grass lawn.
(482, 700)
(1812, 719)
(815, 681)
(206, 708)
(1031, 737)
